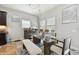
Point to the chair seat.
(60, 44)
(56, 49)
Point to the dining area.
(39, 29)
(37, 45)
(47, 45)
(51, 33)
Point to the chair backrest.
(41, 35)
(66, 45)
(47, 37)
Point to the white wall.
(64, 30)
(15, 28)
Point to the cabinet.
(2, 22)
(2, 38)
(2, 18)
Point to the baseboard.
(74, 48)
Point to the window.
(42, 24)
(26, 24)
(51, 23)
(48, 23)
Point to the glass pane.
(26, 24)
(42, 24)
(51, 21)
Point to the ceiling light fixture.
(35, 7)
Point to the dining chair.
(62, 48)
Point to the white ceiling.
(35, 9)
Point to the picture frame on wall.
(15, 18)
(69, 14)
